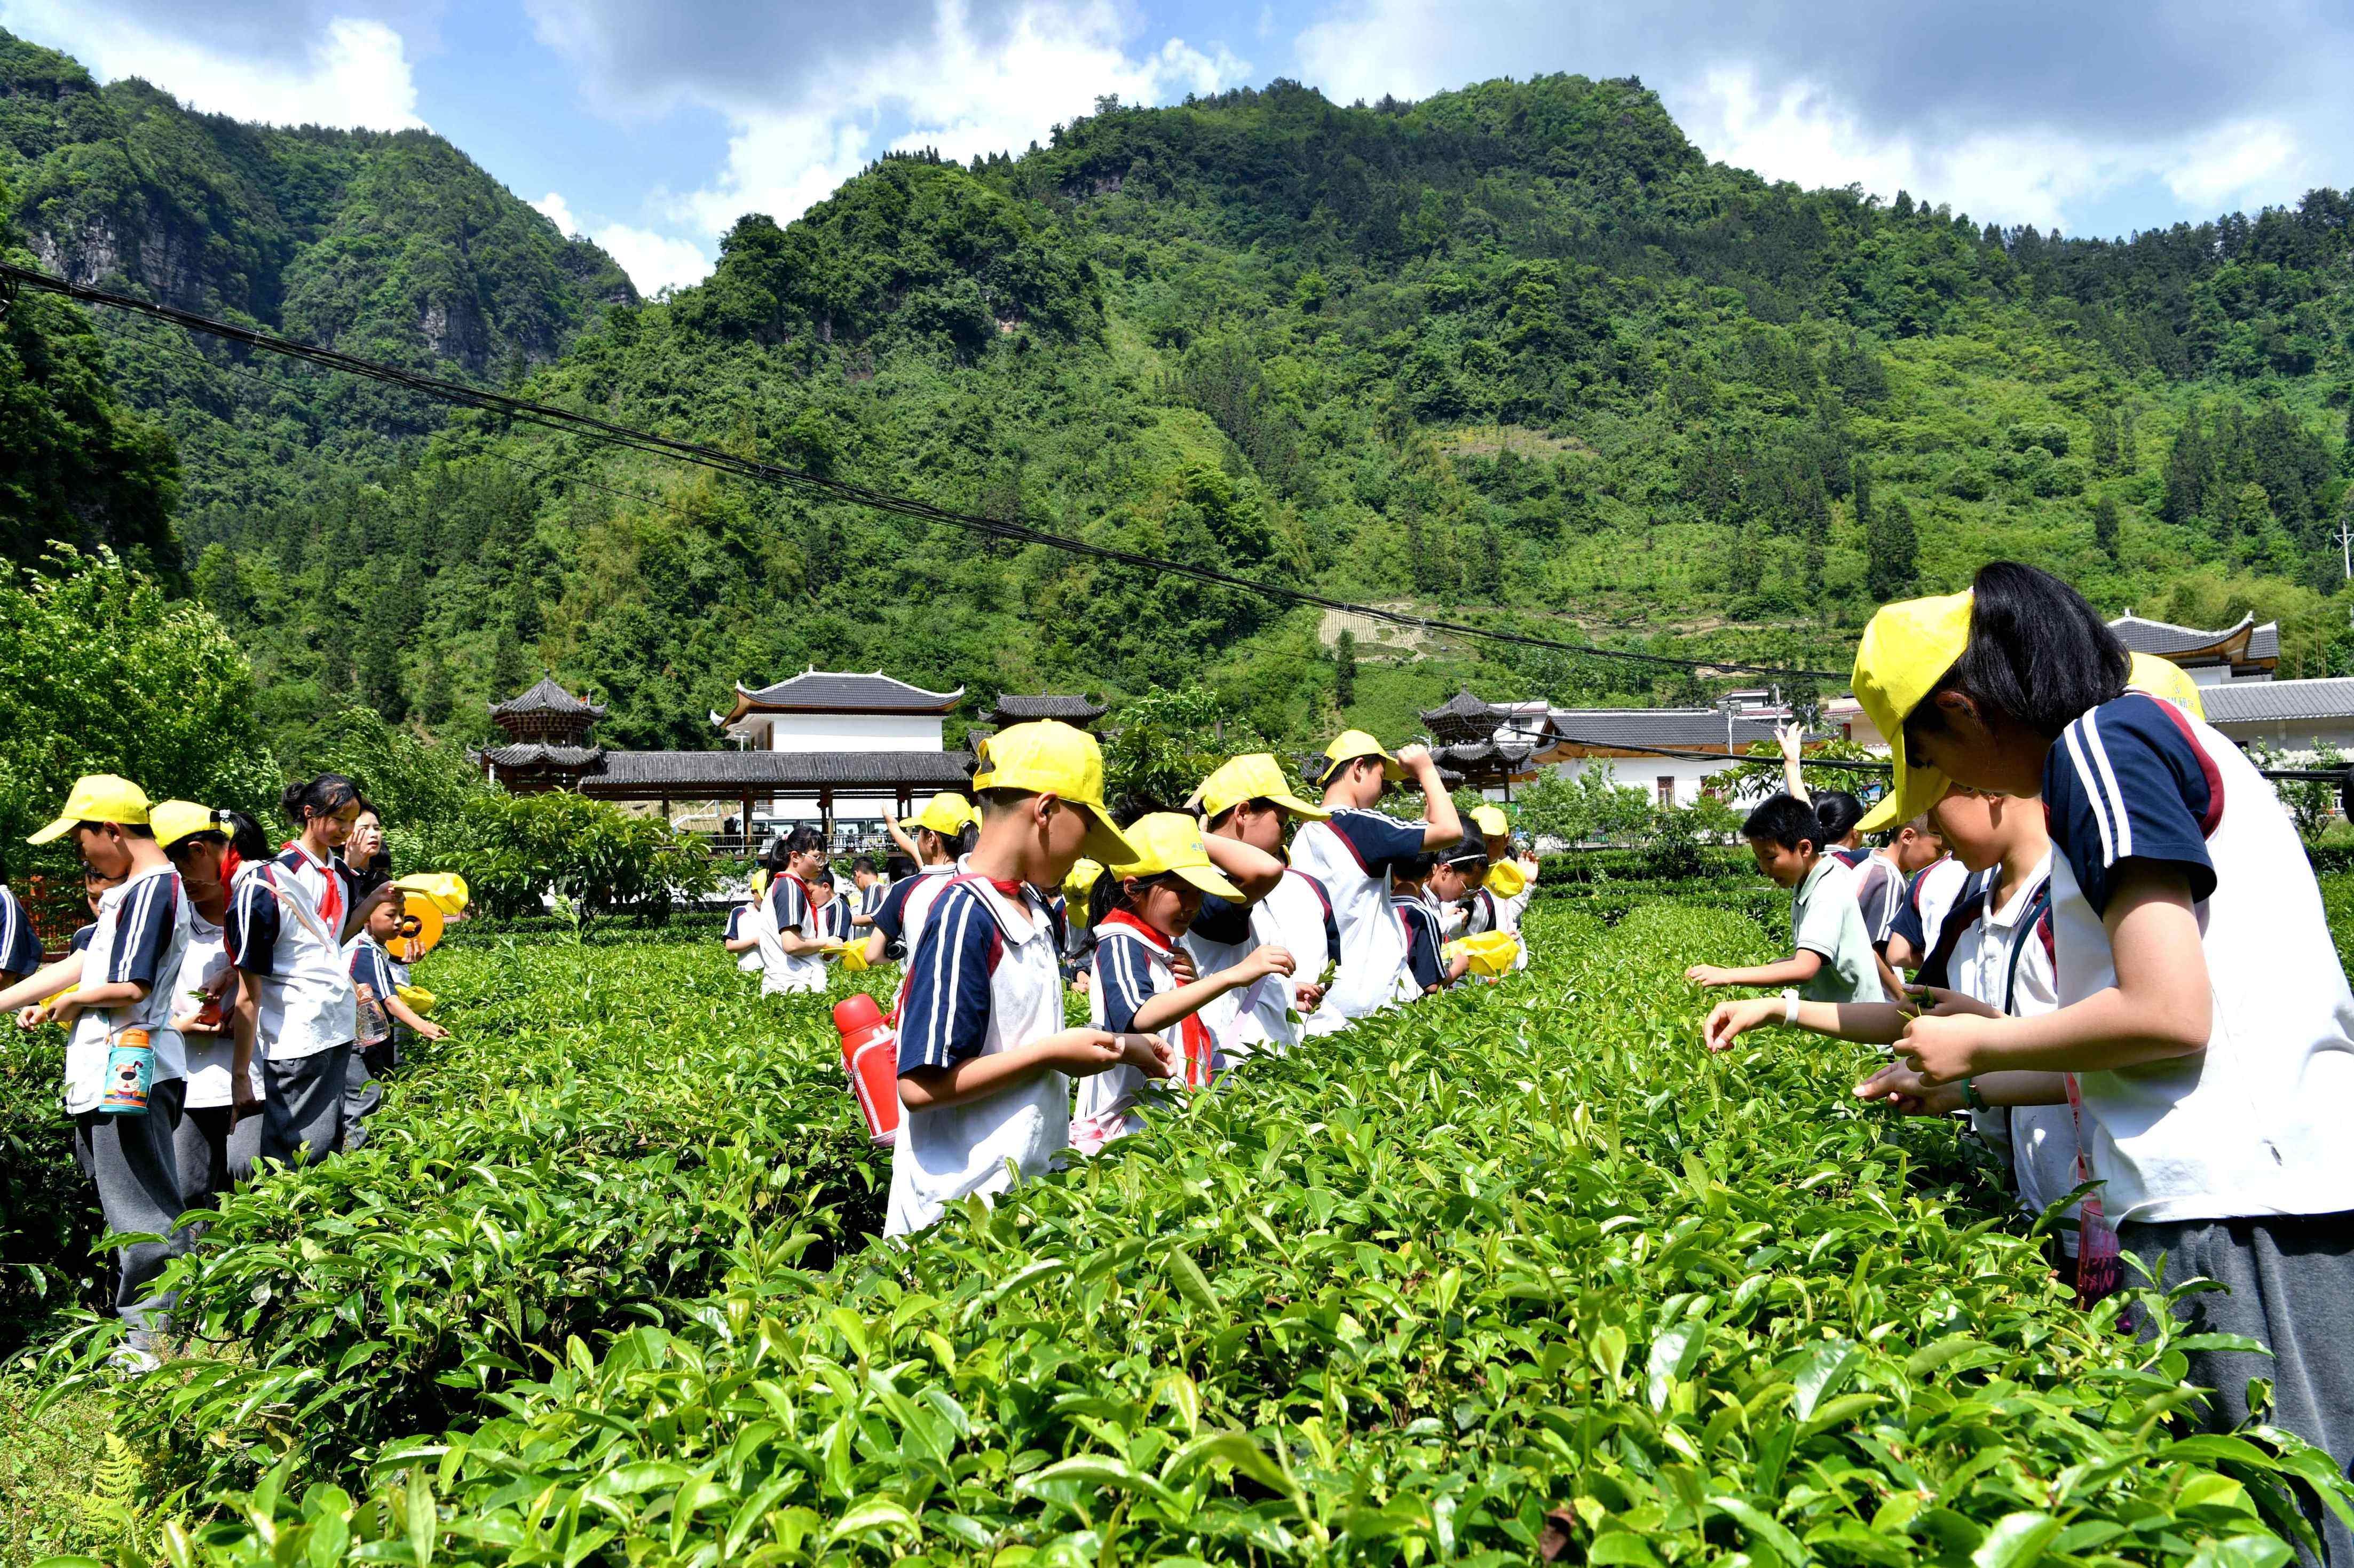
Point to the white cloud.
(654, 262)
(355, 73)
(2214, 168)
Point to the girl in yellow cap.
(2204, 1024)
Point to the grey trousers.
(131, 1161)
(213, 1156)
(2290, 1284)
(364, 1077)
(302, 1105)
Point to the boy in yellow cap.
(2204, 1021)
(125, 993)
(1143, 908)
(1352, 851)
(1246, 807)
(1488, 908)
(933, 838)
(985, 1064)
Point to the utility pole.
(2346, 542)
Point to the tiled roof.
(2266, 702)
(1011, 709)
(733, 771)
(2164, 637)
(546, 698)
(827, 690)
(1609, 728)
(532, 754)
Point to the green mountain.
(1518, 354)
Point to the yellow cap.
(945, 812)
(1490, 822)
(1905, 652)
(1350, 744)
(175, 819)
(2164, 678)
(1255, 776)
(1170, 843)
(1506, 879)
(1047, 756)
(445, 890)
(97, 798)
(1082, 877)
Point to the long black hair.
(2038, 655)
(324, 796)
(1838, 813)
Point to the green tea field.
(1520, 1273)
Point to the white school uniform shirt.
(2001, 959)
(1825, 920)
(2255, 1124)
(1938, 888)
(899, 914)
(304, 999)
(740, 924)
(1880, 892)
(1259, 1017)
(1131, 967)
(209, 1057)
(786, 907)
(983, 976)
(1352, 854)
(140, 936)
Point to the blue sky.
(649, 126)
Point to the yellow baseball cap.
(1046, 757)
(1490, 822)
(175, 819)
(1905, 652)
(1082, 876)
(945, 812)
(1254, 775)
(2165, 678)
(1170, 843)
(97, 798)
(1352, 743)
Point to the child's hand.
(1939, 1002)
(31, 1017)
(1267, 960)
(432, 1031)
(1414, 758)
(1180, 964)
(1902, 1090)
(1729, 1021)
(1791, 737)
(1708, 974)
(243, 1101)
(1150, 1055)
(1943, 1049)
(1306, 997)
(1084, 1052)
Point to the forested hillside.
(1519, 351)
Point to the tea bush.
(1519, 1271)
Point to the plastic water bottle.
(130, 1073)
(870, 1054)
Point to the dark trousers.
(213, 1156)
(2289, 1285)
(134, 1164)
(302, 1105)
(364, 1077)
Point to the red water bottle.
(870, 1054)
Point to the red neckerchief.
(1015, 890)
(331, 903)
(1192, 1034)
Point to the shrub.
(595, 857)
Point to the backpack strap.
(1937, 968)
(2035, 926)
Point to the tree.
(1892, 553)
(509, 674)
(2104, 525)
(434, 699)
(1344, 669)
(380, 686)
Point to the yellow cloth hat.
(1906, 650)
(1254, 775)
(2164, 678)
(97, 798)
(1491, 823)
(946, 813)
(1350, 744)
(1170, 843)
(1046, 757)
(1082, 877)
(415, 998)
(1492, 953)
(445, 890)
(175, 819)
(1506, 879)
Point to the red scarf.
(1192, 1034)
(331, 902)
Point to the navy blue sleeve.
(1880, 892)
(1223, 921)
(369, 967)
(734, 932)
(1421, 948)
(787, 903)
(944, 1017)
(2128, 781)
(81, 940)
(1377, 839)
(1904, 920)
(143, 931)
(250, 931)
(20, 950)
(1124, 980)
(891, 918)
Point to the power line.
(630, 439)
